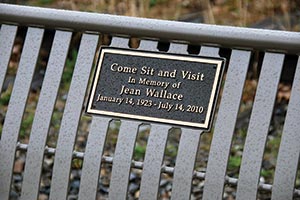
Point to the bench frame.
(150, 31)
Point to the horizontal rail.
(232, 37)
(165, 169)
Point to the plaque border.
(206, 125)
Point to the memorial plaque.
(180, 90)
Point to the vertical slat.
(119, 42)
(40, 127)
(187, 151)
(92, 158)
(124, 149)
(224, 128)
(185, 163)
(178, 48)
(209, 51)
(289, 151)
(148, 45)
(16, 108)
(155, 148)
(259, 125)
(71, 116)
(153, 162)
(7, 38)
(122, 160)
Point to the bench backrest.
(242, 42)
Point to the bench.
(241, 43)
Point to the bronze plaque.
(175, 89)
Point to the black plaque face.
(180, 90)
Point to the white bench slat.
(153, 161)
(122, 160)
(43, 114)
(209, 51)
(155, 148)
(259, 125)
(71, 117)
(119, 42)
(124, 148)
(7, 38)
(187, 151)
(178, 48)
(16, 107)
(224, 127)
(289, 150)
(92, 158)
(185, 163)
(148, 45)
